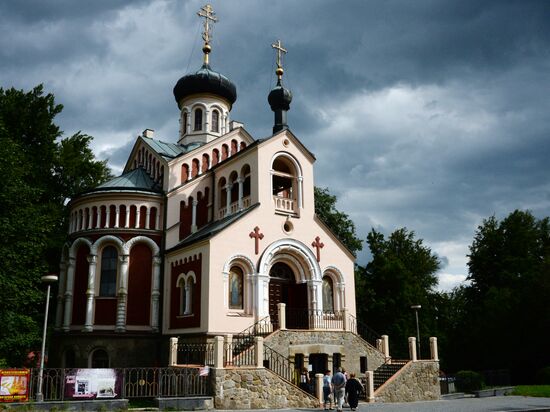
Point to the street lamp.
(416, 308)
(48, 280)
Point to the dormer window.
(216, 121)
(198, 120)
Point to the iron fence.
(314, 319)
(196, 353)
(239, 352)
(361, 329)
(136, 382)
(279, 364)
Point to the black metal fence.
(136, 382)
(239, 352)
(314, 319)
(196, 353)
(279, 364)
(361, 329)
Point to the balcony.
(233, 207)
(285, 205)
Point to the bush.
(543, 376)
(469, 381)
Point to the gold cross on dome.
(280, 50)
(208, 13)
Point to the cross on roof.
(257, 236)
(208, 13)
(318, 245)
(280, 50)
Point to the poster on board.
(14, 385)
(93, 384)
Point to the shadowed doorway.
(284, 289)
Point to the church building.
(206, 234)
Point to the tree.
(40, 172)
(400, 274)
(339, 222)
(506, 321)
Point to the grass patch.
(542, 391)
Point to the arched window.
(235, 288)
(215, 157)
(107, 285)
(189, 295)
(205, 162)
(198, 120)
(328, 294)
(183, 296)
(283, 178)
(215, 121)
(99, 359)
(185, 284)
(185, 122)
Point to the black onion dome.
(205, 80)
(279, 98)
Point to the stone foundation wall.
(256, 389)
(417, 381)
(351, 346)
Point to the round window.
(288, 227)
(286, 142)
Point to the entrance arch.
(283, 288)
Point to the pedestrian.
(353, 391)
(339, 385)
(327, 390)
(304, 380)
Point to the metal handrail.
(363, 330)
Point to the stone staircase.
(386, 371)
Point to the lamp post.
(48, 280)
(416, 308)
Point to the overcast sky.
(430, 115)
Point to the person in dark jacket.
(353, 391)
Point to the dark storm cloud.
(429, 114)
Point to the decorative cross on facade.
(208, 13)
(280, 50)
(318, 245)
(257, 237)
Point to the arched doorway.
(284, 289)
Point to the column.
(262, 295)
(60, 292)
(157, 223)
(117, 215)
(138, 216)
(228, 350)
(173, 356)
(127, 223)
(282, 315)
(319, 387)
(155, 295)
(148, 218)
(386, 346)
(370, 386)
(228, 199)
(90, 293)
(194, 215)
(345, 319)
(90, 218)
(107, 216)
(433, 349)
(412, 348)
(218, 352)
(69, 295)
(300, 190)
(259, 351)
(122, 294)
(78, 220)
(98, 217)
(240, 181)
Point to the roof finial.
(279, 72)
(208, 13)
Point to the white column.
(194, 216)
(300, 191)
(206, 121)
(69, 295)
(90, 293)
(122, 294)
(262, 296)
(319, 387)
(259, 351)
(157, 223)
(345, 319)
(98, 217)
(155, 295)
(173, 356)
(127, 223)
(107, 216)
(117, 215)
(228, 199)
(90, 218)
(282, 315)
(218, 352)
(412, 348)
(78, 219)
(138, 216)
(370, 386)
(433, 348)
(60, 292)
(240, 181)
(148, 218)
(386, 346)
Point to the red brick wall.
(192, 263)
(139, 285)
(80, 285)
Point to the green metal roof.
(170, 150)
(213, 228)
(137, 179)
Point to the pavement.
(493, 404)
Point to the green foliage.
(39, 173)
(400, 274)
(469, 381)
(543, 376)
(541, 391)
(339, 222)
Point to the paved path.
(492, 404)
